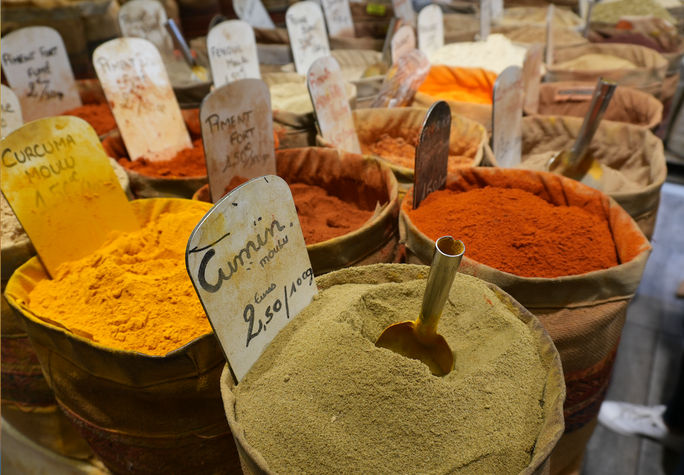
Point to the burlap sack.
(253, 462)
(83, 25)
(296, 127)
(536, 15)
(635, 152)
(528, 34)
(481, 113)
(573, 98)
(467, 138)
(365, 182)
(139, 413)
(460, 27)
(647, 76)
(584, 314)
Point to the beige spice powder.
(324, 399)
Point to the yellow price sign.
(60, 184)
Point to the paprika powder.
(97, 115)
(518, 232)
(186, 163)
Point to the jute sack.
(572, 99)
(253, 462)
(460, 27)
(481, 113)
(138, 413)
(634, 152)
(647, 76)
(536, 15)
(528, 34)
(352, 178)
(293, 119)
(584, 314)
(467, 139)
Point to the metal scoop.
(419, 339)
(199, 71)
(576, 163)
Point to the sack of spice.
(293, 118)
(178, 177)
(631, 157)
(125, 345)
(347, 206)
(528, 34)
(629, 65)
(392, 135)
(536, 16)
(568, 253)
(468, 91)
(27, 401)
(498, 411)
(572, 99)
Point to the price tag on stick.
(145, 19)
(237, 132)
(232, 52)
(139, 92)
(485, 19)
(338, 17)
(507, 117)
(248, 262)
(532, 73)
(403, 80)
(333, 113)
(430, 29)
(254, 13)
(308, 38)
(61, 185)
(548, 55)
(36, 65)
(432, 152)
(11, 112)
(403, 42)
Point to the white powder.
(495, 54)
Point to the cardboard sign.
(137, 87)
(507, 117)
(308, 38)
(403, 9)
(145, 19)
(37, 68)
(403, 42)
(430, 29)
(237, 132)
(532, 74)
(338, 17)
(61, 185)
(232, 52)
(485, 19)
(548, 55)
(432, 152)
(248, 262)
(254, 13)
(403, 80)
(10, 117)
(333, 114)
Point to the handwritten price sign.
(248, 262)
(232, 52)
(308, 38)
(37, 68)
(11, 112)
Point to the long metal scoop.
(419, 339)
(199, 71)
(576, 163)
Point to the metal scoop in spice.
(199, 71)
(576, 163)
(419, 339)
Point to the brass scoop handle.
(445, 263)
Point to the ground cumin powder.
(322, 215)
(133, 293)
(402, 151)
(97, 115)
(324, 399)
(518, 232)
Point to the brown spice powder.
(323, 398)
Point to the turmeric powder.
(133, 293)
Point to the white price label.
(403, 42)
(507, 121)
(145, 19)
(254, 13)
(308, 38)
(232, 52)
(11, 112)
(338, 17)
(430, 29)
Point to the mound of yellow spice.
(134, 292)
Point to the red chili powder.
(97, 115)
(518, 232)
(402, 151)
(322, 216)
(187, 163)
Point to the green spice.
(611, 12)
(324, 399)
